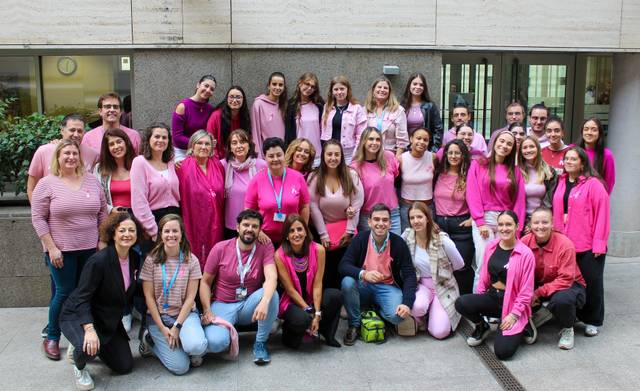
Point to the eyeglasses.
(235, 97)
(454, 153)
(109, 107)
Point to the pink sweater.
(587, 222)
(150, 191)
(266, 121)
(333, 206)
(481, 198)
(378, 187)
(93, 139)
(608, 167)
(520, 283)
(71, 217)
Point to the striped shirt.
(71, 217)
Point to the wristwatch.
(178, 325)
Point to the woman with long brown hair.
(304, 112)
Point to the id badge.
(241, 293)
(279, 217)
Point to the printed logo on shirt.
(294, 191)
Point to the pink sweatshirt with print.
(266, 121)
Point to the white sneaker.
(196, 361)
(126, 322)
(70, 350)
(566, 339)
(590, 330)
(83, 379)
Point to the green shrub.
(19, 139)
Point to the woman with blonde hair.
(385, 113)
(300, 156)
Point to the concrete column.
(624, 142)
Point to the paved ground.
(608, 361)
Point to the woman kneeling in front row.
(504, 291)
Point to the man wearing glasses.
(110, 106)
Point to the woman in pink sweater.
(268, 111)
(504, 291)
(336, 198)
(231, 114)
(155, 188)
(581, 211)
(385, 113)
(601, 158)
(493, 185)
(67, 207)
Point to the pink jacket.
(587, 222)
(520, 283)
(394, 129)
(608, 167)
(354, 120)
(266, 121)
(481, 198)
(477, 144)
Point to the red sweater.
(556, 267)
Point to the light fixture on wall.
(67, 65)
(390, 70)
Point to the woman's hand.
(172, 339)
(484, 231)
(55, 255)
(315, 325)
(91, 344)
(508, 322)
(207, 318)
(326, 243)
(351, 212)
(345, 239)
(465, 223)
(263, 238)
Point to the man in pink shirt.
(461, 115)
(110, 106)
(72, 128)
(243, 276)
(538, 115)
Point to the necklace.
(300, 264)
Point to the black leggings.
(115, 353)
(592, 269)
(463, 240)
(296, 321)
(564, 303)
(474, 306)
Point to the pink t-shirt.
(121, 193)
(535, 191)
(41, 162)
(417, 177)
(378, 188)
(308, 125)
(124, 269)
(222, 264)
(415, 119)
(449, 201)
(261, 196)
(234, 203)
(93, 138)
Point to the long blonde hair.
(331, 101)
(291, 150)
(359, 155)
(543, 170)
(55, 165)
(370, 102)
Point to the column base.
(624, 244)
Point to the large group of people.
(232, 218)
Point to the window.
(18, 77)
(597, 91)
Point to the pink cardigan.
(587, 223)
(151, 191)
(520, 282)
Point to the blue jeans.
(363, 223)
(357, 294)
(192, 343)
(65, 279)
(240, 312)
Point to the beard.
(247, 238)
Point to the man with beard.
(245, 278)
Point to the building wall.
(608, 25)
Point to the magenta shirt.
(222, 264)
(308, 125)
(195, 117)
(378, 187)
(262, 197)
(234, 202)
(93, 138)
(608, 167)
(415, 119)
(449, 201)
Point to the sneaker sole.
(531, 340)
(565, 347)
(261, 361)
(477, 342)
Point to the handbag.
(372, 328)
(335, 231)
(407, 328)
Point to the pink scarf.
(285, 300)
(232, 166)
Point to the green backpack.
(372, 328)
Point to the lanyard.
(243, 269)
(379, 119)
(166, 289)
(384, 244)
(278, 198)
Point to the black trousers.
(474, 306)
(296, 321)
(592, 269)
(564, 303)
(331, 278)
(463, 240)
(115, 352)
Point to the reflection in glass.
(18, 80)
(598, 88)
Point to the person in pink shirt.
(377, 170)
(581, 211)
(336, 198)
(201, 178)
(538, 115)
(268, 112)
(110, 106)
(514, 112)
(304, 113)
(343, 119)
(493, 185)
(421, 111)
(240, 166)
(461, 115)
(71, 128)
(452, 213)
(601, 158)
(155, 188)
(231, 114)
(277, 192)
(113, 170)
(385, 113)
(67, 208)
(467, 134)
(553, 154)
(300, 156)
(505, 290)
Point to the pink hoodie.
(478, 144)
(587, 223)
(481, 198)
(520, 282)
(266, 121)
